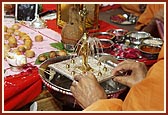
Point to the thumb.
(124, 80)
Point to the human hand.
(87, 90)
(138, 72)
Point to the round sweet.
(6, 47)
(21, 48)
(62, 53)
(25, 37)
(15, 26)
(21, 34)
(28, 43)
(10, 30)
(12, 39)
(38, 38)
(29, 53)
(52, 54)
(7, 36)
(12, 42)
(42, 57)
(16, 32)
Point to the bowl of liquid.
(149, 51)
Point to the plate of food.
(123, 19)
(48, 55)
(122, 52)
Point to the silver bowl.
(119, 34)
(151, 52)
(103, 35)
(105, 46)
(136, 37)
(59, 87)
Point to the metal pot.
(59, 86)
(105, 45)
(136, 37)
(119, 35)
(103, 35)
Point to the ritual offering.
(58, 73)
(150, 51)
(38, 38)
(16, 61)
(30, 53)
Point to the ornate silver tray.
(59, 85)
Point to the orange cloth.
(145, 17)
(144, 96)
(149, 13)
(131, 8)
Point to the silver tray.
(59, 87)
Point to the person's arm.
(87, 90)
(112, 104)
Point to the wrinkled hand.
(138, 72)
(87, 90)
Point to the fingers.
(90, 75)
(78, 77)
(124, 66)
(124, 80)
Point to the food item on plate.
(21, 48)
(15, 26)
(122, 52)
(29, 53)
(16, 60)
(42, 57)
(10, 30)
(12, 39)
(7, 36)
(25, 37)
(38, 38)
(12, 42)
(62, 53)
(118, 18)
(52, 54)
(6, 47)
(22, 33)
(16, 32)
(28, 44)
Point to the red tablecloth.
(20, 89)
